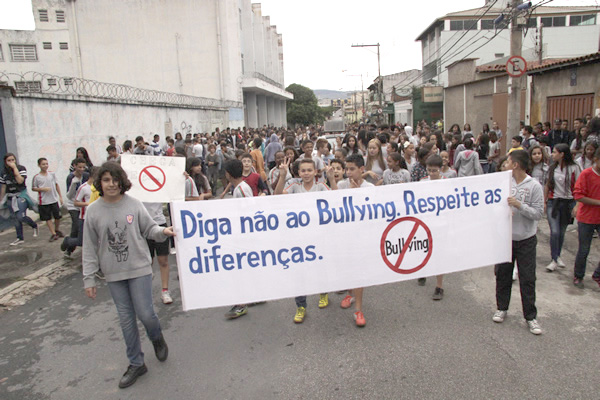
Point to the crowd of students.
(554, 171)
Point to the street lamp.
(380, 81)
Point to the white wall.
(56, 128)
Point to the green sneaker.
(236, 311)
(300, 314)
(323, 300)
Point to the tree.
(304, 109)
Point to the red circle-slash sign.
(516, 66)
(152, 178)
(392, 243)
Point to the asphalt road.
(61, 345)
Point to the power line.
(441, 58)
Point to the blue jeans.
(134, 297)
(558, 227)
(585, 232)
(72, 242)
(20, 216)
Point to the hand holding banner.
(238, 251)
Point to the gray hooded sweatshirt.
(467, 163)
(525, 219)
(273, 147)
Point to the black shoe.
(63, 246)
(421, 281)
(160, 348)
(438, 294)
(131, 375)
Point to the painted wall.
(54, 129)
(558, 83)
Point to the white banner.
(155, 179)
(238, 251)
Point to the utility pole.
(380, 81)
(541, 54)
(514, 84)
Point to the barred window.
(60, 16)
(28, 86)
(43, 14)
(47, 45)
(51, 82)
(63, 46)
(68, 81)
(23, 52)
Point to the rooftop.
(476, 13)
(547, 64)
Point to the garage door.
(570, 107)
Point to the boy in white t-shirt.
(308, 172)
(355, 168)
(49, 197)
(234, 175)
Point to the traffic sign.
(516, 66)
(379, 111)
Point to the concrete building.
(94, 69)
(394, 89)
(224, 50)
(567, 32)
(556, 88)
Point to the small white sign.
(155, 179)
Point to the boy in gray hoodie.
(115, 231)
(527, 204)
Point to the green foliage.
(304, 109)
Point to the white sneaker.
(560, 263)
(499, 316)
(166, 297)
(552, 266)
(515, 274)
(172, 251)
(17, 242)
(534, 327)
(36, 232)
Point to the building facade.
(556, 32)
(224, 50)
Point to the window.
(23, 52)
(68, 81)
(60, 16)
(47, 45)
(28, 86)
(1, 54)
(487, 24)
(578, 20)
(43, 15)
(559, 21)
(63, 46)
(51, 82)
(532, 22)
(470, 24)
(553, 21)
(498, 55)
(456, 25)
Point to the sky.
(318, 34)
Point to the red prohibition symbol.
(395, 265)
(154, 174)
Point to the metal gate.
(570, 107)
